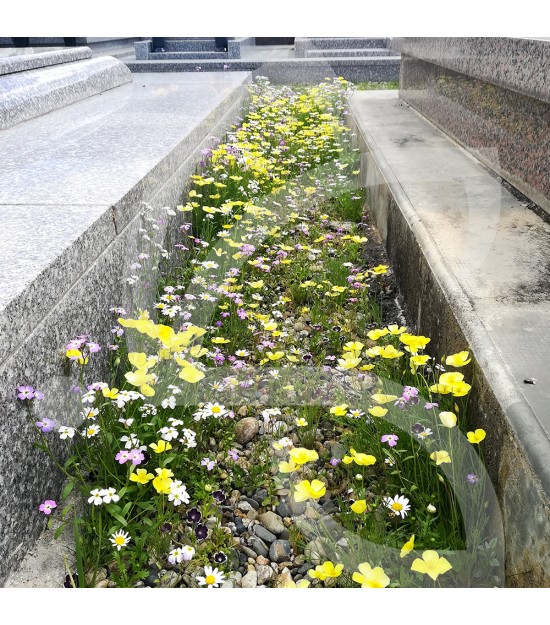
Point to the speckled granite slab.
(72, 187)
(28, 94)
(505, 128)
(24, 62)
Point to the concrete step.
(191, 45)
(159, 56)
(347, 42)
(471, 256)
(350, 52)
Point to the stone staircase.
(338, 47)
(191, 48)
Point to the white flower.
(132, 442)
(109, 494)
(212, 577)
(175, 556)
(178, 495)
(187, 552)
(168, 434)
(175, 422)
(399, 505)
(120, 539)
(169, 402)
(90, 413)
(65, 432)
(96, 497)
(214, 410)
(189, 438)
(242, 353)
(431, 508)
(91, 431)
(355, 413)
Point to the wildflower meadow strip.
(264, 369)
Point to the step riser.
(190, 46)
(350, 52)
(344, 42)
(159, 56)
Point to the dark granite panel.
(508, 131)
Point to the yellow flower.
(219, 340)
(76, 354)
(327, 569)
(286, 467)
(359, 506)
(301, 422)
(303, 583)
(275, 356)
(160, 447)
(141, 476)
(339, 411)
(418, 361)
(110, 393)
(353, 346)
(431, 564)
(300, 455)
(414, 343)
(371, 578)
(394, 329)
(380, 398)
(389, 351)
(163, 481)
(305, 490)
(407, 547)
(189, 372)
(379, 270)
(448, 419)
(440, 457)
(378, 411)
(257, 285)
(476, 437)
(348, 361)
(374, 335)
(458, 360)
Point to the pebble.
(248, 551)
(259, 546)
(283, 510)
(264, 573)
(262, 560)
(252, 502)
(280, 550)
(250, 580)
(246, 429)
(264, 534)
(244, 506)
(272, 522)
(260, 495)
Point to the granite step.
(350, 52)
(346, 42)
(191, 45)
(189, 55)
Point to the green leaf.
(59, 531)
(120, 519)
(126, 508)
(67, 490)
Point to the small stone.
(262, 560)
(260, 495)
(246, 429)
(259, 546)
(212, 522)
(170, 579)
(248, 551)
(305, 568)
(244, 506)
(264, 534)
(104, 583)
(271, 521)
(280, 550)
(299, 559)
(314, 552)
(283, 510)
(264, 573)
(285, 534)
(250, 580)
(252, 502)
(251, 561)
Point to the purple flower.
(38, 395)
(46, 425)
(429, 405)
(201, 531)
(136, 456)
(220, 557)
(75, 389)
(417, 428)
(193, 515)
(209, 464)
(233, 454)
(219, 496)
(391, 439)
(93, 347)
(472, 478)
(25, 392)
(47, 506)
(123, 456)
(335, 461)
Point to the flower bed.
(265, 423)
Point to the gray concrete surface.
(72, 188)
(472, 261)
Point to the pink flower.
(391, 439)
(123, 456)
(47, 506)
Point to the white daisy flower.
(212, 577)
(399, 505)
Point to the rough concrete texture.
(28, 94)
(24, 62)
(472, 262)
(142, 146)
